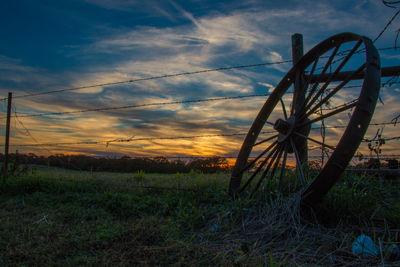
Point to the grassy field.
(64, 218)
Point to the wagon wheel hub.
(285, 128)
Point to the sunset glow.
(66, 44)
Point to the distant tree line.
(122, 164)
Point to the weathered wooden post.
(299, 95)
(7, 141)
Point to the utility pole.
(7, 142)
(299, 95)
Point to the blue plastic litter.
(364, 246)
(393, 249)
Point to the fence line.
(155, 78)
(132, 139)
(107, 142)
(382, 157)
(21, 115)
(143, 105)
(393, 122)
(166, 76)
(387, 24)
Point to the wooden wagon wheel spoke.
(315, 141)
(291, 129)
(330, 114)
(276, 164)
(298, 163)
(327, 64)
(282, 174)
(331, 77)
(272, 150)
(274, 158)
(284, 109)
(322, 101)
(251, 163)
(265, 140)
(310, 75)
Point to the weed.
(355, 198)
(139, 177)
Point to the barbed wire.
(133, 139)
(154, 78)
(28, 133)
(336, 107)
(384, 139)
(395, 120)
(166, 76)
(21, 115)
(387, 25)
(388, 48)
(143, 105)
(383, 156)
(107, 142)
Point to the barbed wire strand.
(179, 137)
(133, 139)
(166, 103)
(124, 140)
(143, 105)
(28, 133)
(383, 156)
(385, 139)
(155, 78)
(162, 103)
(387, 25)
(163, 77)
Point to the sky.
(54, 45)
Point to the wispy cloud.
(251, 34)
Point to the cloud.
(248, 35)
(269, 86)
(12, 64)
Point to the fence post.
(7, 141)
(299, 95)
(297, 47)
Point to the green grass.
(64, 218)
(369, 198)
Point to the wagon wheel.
(327, 74)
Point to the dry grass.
(106, 219)
(276, 235)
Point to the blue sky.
(50, 45)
